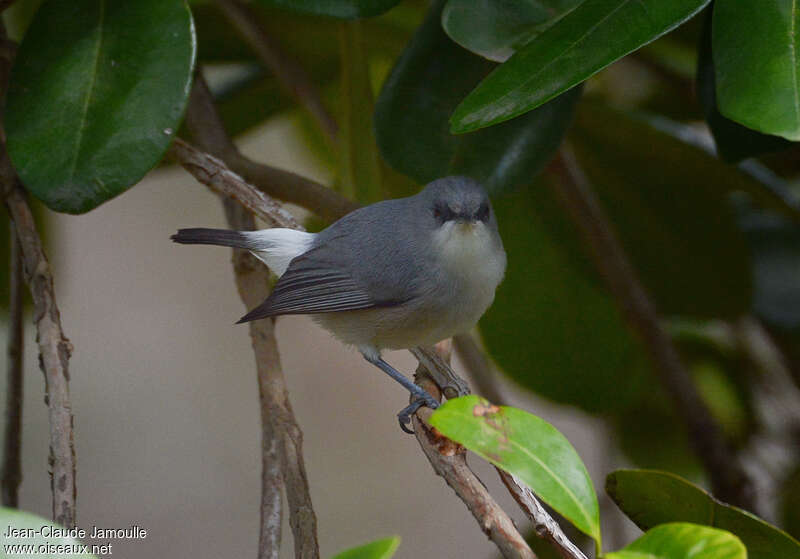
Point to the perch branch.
(54, 353)
(289, 73)
(449, 461)
(12, 466)
(207, 129)
(478, 367)
(730, 483)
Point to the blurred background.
(167, 426)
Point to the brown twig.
(730, 483)
(290, 74)
(212, 172)
(54, 347)
(281, 434)
(449, 461)
(12, 465)
(206, 127)
(282, 439)
(544, 525)
(54, 353)
(478, 367)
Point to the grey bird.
(393, 275)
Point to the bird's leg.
(423, 397)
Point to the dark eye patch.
(442, 212)
(483, 212)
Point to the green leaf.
(344, 9)
(379, 549)
(668, 202)
(734, 142)
(681, 540)
(585, 41)
(553, 327)
(495, 29)
(360, 174)
(96, 94)
(650, 498)
(756, 61)
(529, 448)
(428, 81)
(30, 528)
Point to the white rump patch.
(277, 247)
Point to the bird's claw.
(404, 417)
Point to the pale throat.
(468, 248)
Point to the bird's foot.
(404, 417)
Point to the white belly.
(472, 264)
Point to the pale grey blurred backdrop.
(166, 406)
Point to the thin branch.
(730, 483)
(478, 367)
(545, 526)
(54, 347)
(281, 435)
(449, 461)
(12, 464)
(288, 72)
(212, 172)
(54, 353)
(208, 131)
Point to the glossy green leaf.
(344, 9)
(553, 327)
(46, 539)
(428, 81)
(96, 94)
(734, 142)
(668, 202)
(495, 29)
(681, 540)
(583, 42)
(379, 549)
(650, 498)
(529, 448)
(756, 62)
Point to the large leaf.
(379, 549)
(734, 142)
(756, 60)
(345, 9)
(668, 201)
(428, 81)
(681, 540)
(650, 498)
(96, 94)
(553, 327)
(529, 448)
(38, 533)
(588, 39)
(495, 29)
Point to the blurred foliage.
(682, 115)
(379, 549)
(651, 498)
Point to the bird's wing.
(312, 284)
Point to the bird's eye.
(437, 213)
(483, 212)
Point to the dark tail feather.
(261, 311)
(204, 236)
